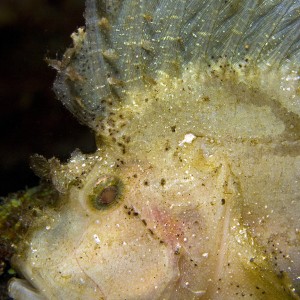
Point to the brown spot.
(104, 23)
(167, 146)
(73, 74)
(148, 18)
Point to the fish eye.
(106, 192)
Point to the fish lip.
(23, 288)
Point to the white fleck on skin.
(193, 192)
(188, 138)
(96, 238)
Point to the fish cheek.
(124, 260)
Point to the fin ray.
(139, 39)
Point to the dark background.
(31, 119)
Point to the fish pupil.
(107, 196)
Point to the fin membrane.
(128, 43)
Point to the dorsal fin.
(129, 43)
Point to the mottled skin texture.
(193, 219)
(193, 191)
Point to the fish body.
(193, 192)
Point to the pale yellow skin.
(209, 198)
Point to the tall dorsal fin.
(128, 43)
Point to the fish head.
(132, 228)
(158, 215)
(197, 127)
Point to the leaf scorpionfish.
(193, 192)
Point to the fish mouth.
(22, 289)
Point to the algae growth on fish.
(193, 192)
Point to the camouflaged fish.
(193, 192)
